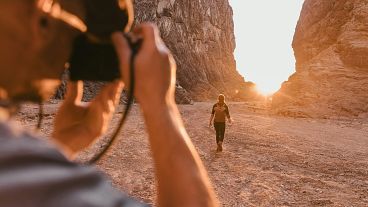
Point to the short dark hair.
(221, 98)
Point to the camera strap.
(134, 46)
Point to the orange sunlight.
(264, 35)
(267, 89)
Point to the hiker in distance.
(34, 47)
(220, 111)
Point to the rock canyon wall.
(331, 50)
(201, 36)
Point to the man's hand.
(155, 68)
(77, 124)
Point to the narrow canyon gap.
(264, 31)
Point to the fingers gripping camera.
(94, 57)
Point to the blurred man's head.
(221, 98)
(34, 48)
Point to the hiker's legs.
(218, 132)
(222, 131)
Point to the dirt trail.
(267, 160)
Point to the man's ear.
(43, 28)
(45, 25)
(52, 38)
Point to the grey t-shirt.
(33, 173)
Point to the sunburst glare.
(264, 31)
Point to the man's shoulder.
(28, 163)
(16, 142)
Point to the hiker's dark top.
(33, 173)
(221, 111)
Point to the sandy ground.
(268, 160)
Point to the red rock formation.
(331, 49)
(201, 36)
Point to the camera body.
(94, 57)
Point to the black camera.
(94, 57)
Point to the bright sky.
(264, 31)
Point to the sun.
(267, 89)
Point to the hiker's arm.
(181, 177)
(212, 116)
(211, 119)
(228, 115)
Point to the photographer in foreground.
(33, 173)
